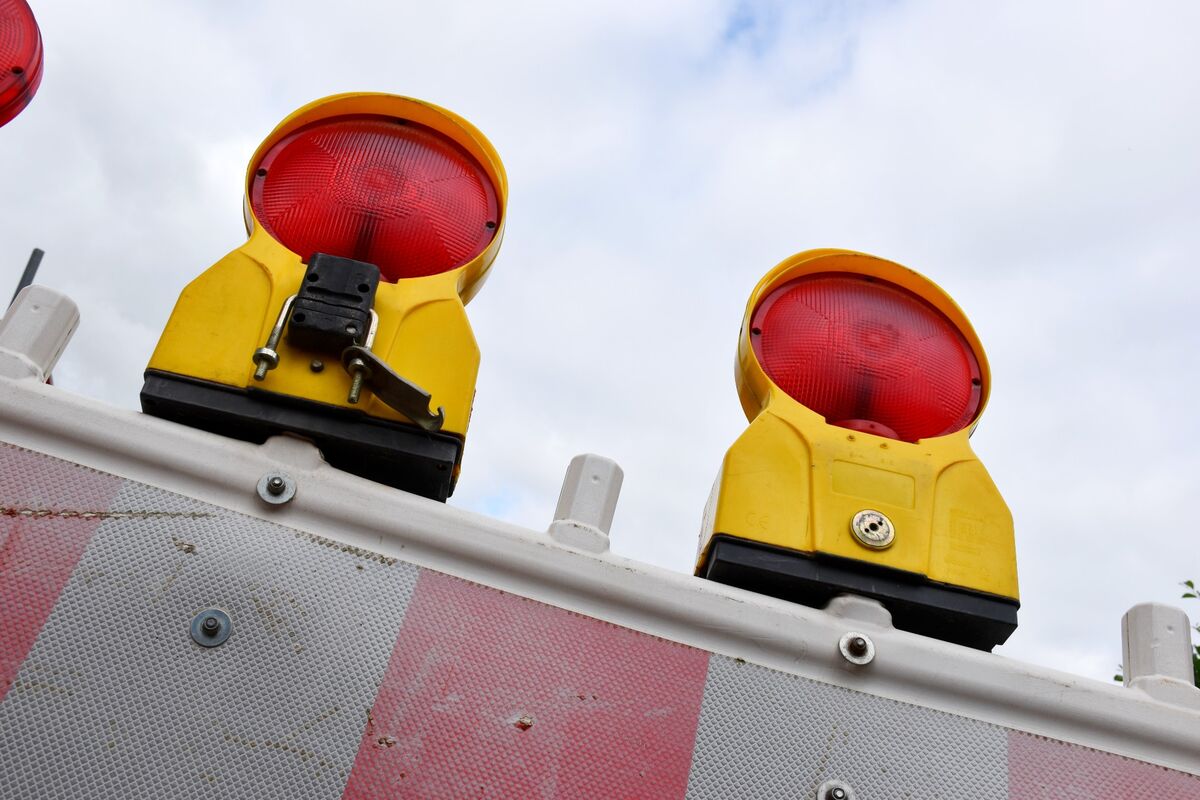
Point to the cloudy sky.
(1038, 160)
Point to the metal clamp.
(266, 358)
(401, 394)
(364, 368)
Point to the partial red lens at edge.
(20, 58)
(868, 356)
(389, 192)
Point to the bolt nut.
(276, 488)
(834, 790)
(210, 627)
(265, 355)
(857, 648)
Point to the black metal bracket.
(398, 392)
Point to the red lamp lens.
(377, 189)
(868, 355)
(20, 57)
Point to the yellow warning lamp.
(862, 381)
(372, 220)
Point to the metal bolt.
(210, 627)
(834, 790)
(317, 365)
(356, 368)
(265, 359)
(276, 488)
(857, 648)
(355, 388)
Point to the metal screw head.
(276, 488)
(873, 529)
(210, 627)
(857, 648)
(316, 365)
(834, 790)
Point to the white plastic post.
(1156, 640)
(587, 503)
(34, 332)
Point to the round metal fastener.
(210, 627)
(873, 529)
(265, 355)
(857, 648)
(316, 365)
(276, 488)
(834, 790)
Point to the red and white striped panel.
(350, 674)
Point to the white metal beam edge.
(675, 606)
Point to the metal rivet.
(276, 488)
(834, 790)
(210, 627)
(873, 529)
(857, 648)
(316, 365)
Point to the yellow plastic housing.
(794, 481)
(423, 332)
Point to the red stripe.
(1045, 769)
(47, 517)
(488, 694)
